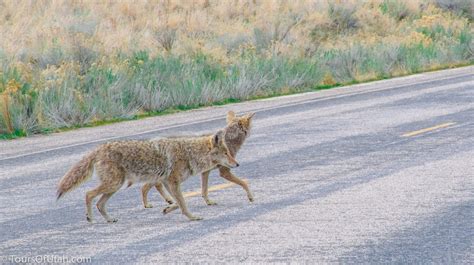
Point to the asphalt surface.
(334, 178)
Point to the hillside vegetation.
(74, 63)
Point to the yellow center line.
(211, 188)
(444, 125)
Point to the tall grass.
(89, 62)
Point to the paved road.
(380, 172)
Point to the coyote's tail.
(78, 174)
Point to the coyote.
(168, 160)
(237, 130)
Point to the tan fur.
(237, 130)
(78, 174)
(169, 161)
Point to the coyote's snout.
(169, 161)
(222, 157)
(220, 154)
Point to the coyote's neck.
(199, 156)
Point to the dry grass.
(69, 63)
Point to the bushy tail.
(78, 174)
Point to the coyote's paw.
(251, 199)
(167, 209)
(112, 220)
(89, 219)
(148, 205)
(195, 218)
(169, 201)
(209, 202)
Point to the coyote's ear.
(250, 115)
(230, 116)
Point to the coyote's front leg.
(174, 189)
(164, 195)
(145, 189)
(204, 188)
(159, 187)
(225, 173)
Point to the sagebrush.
(73, 63)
